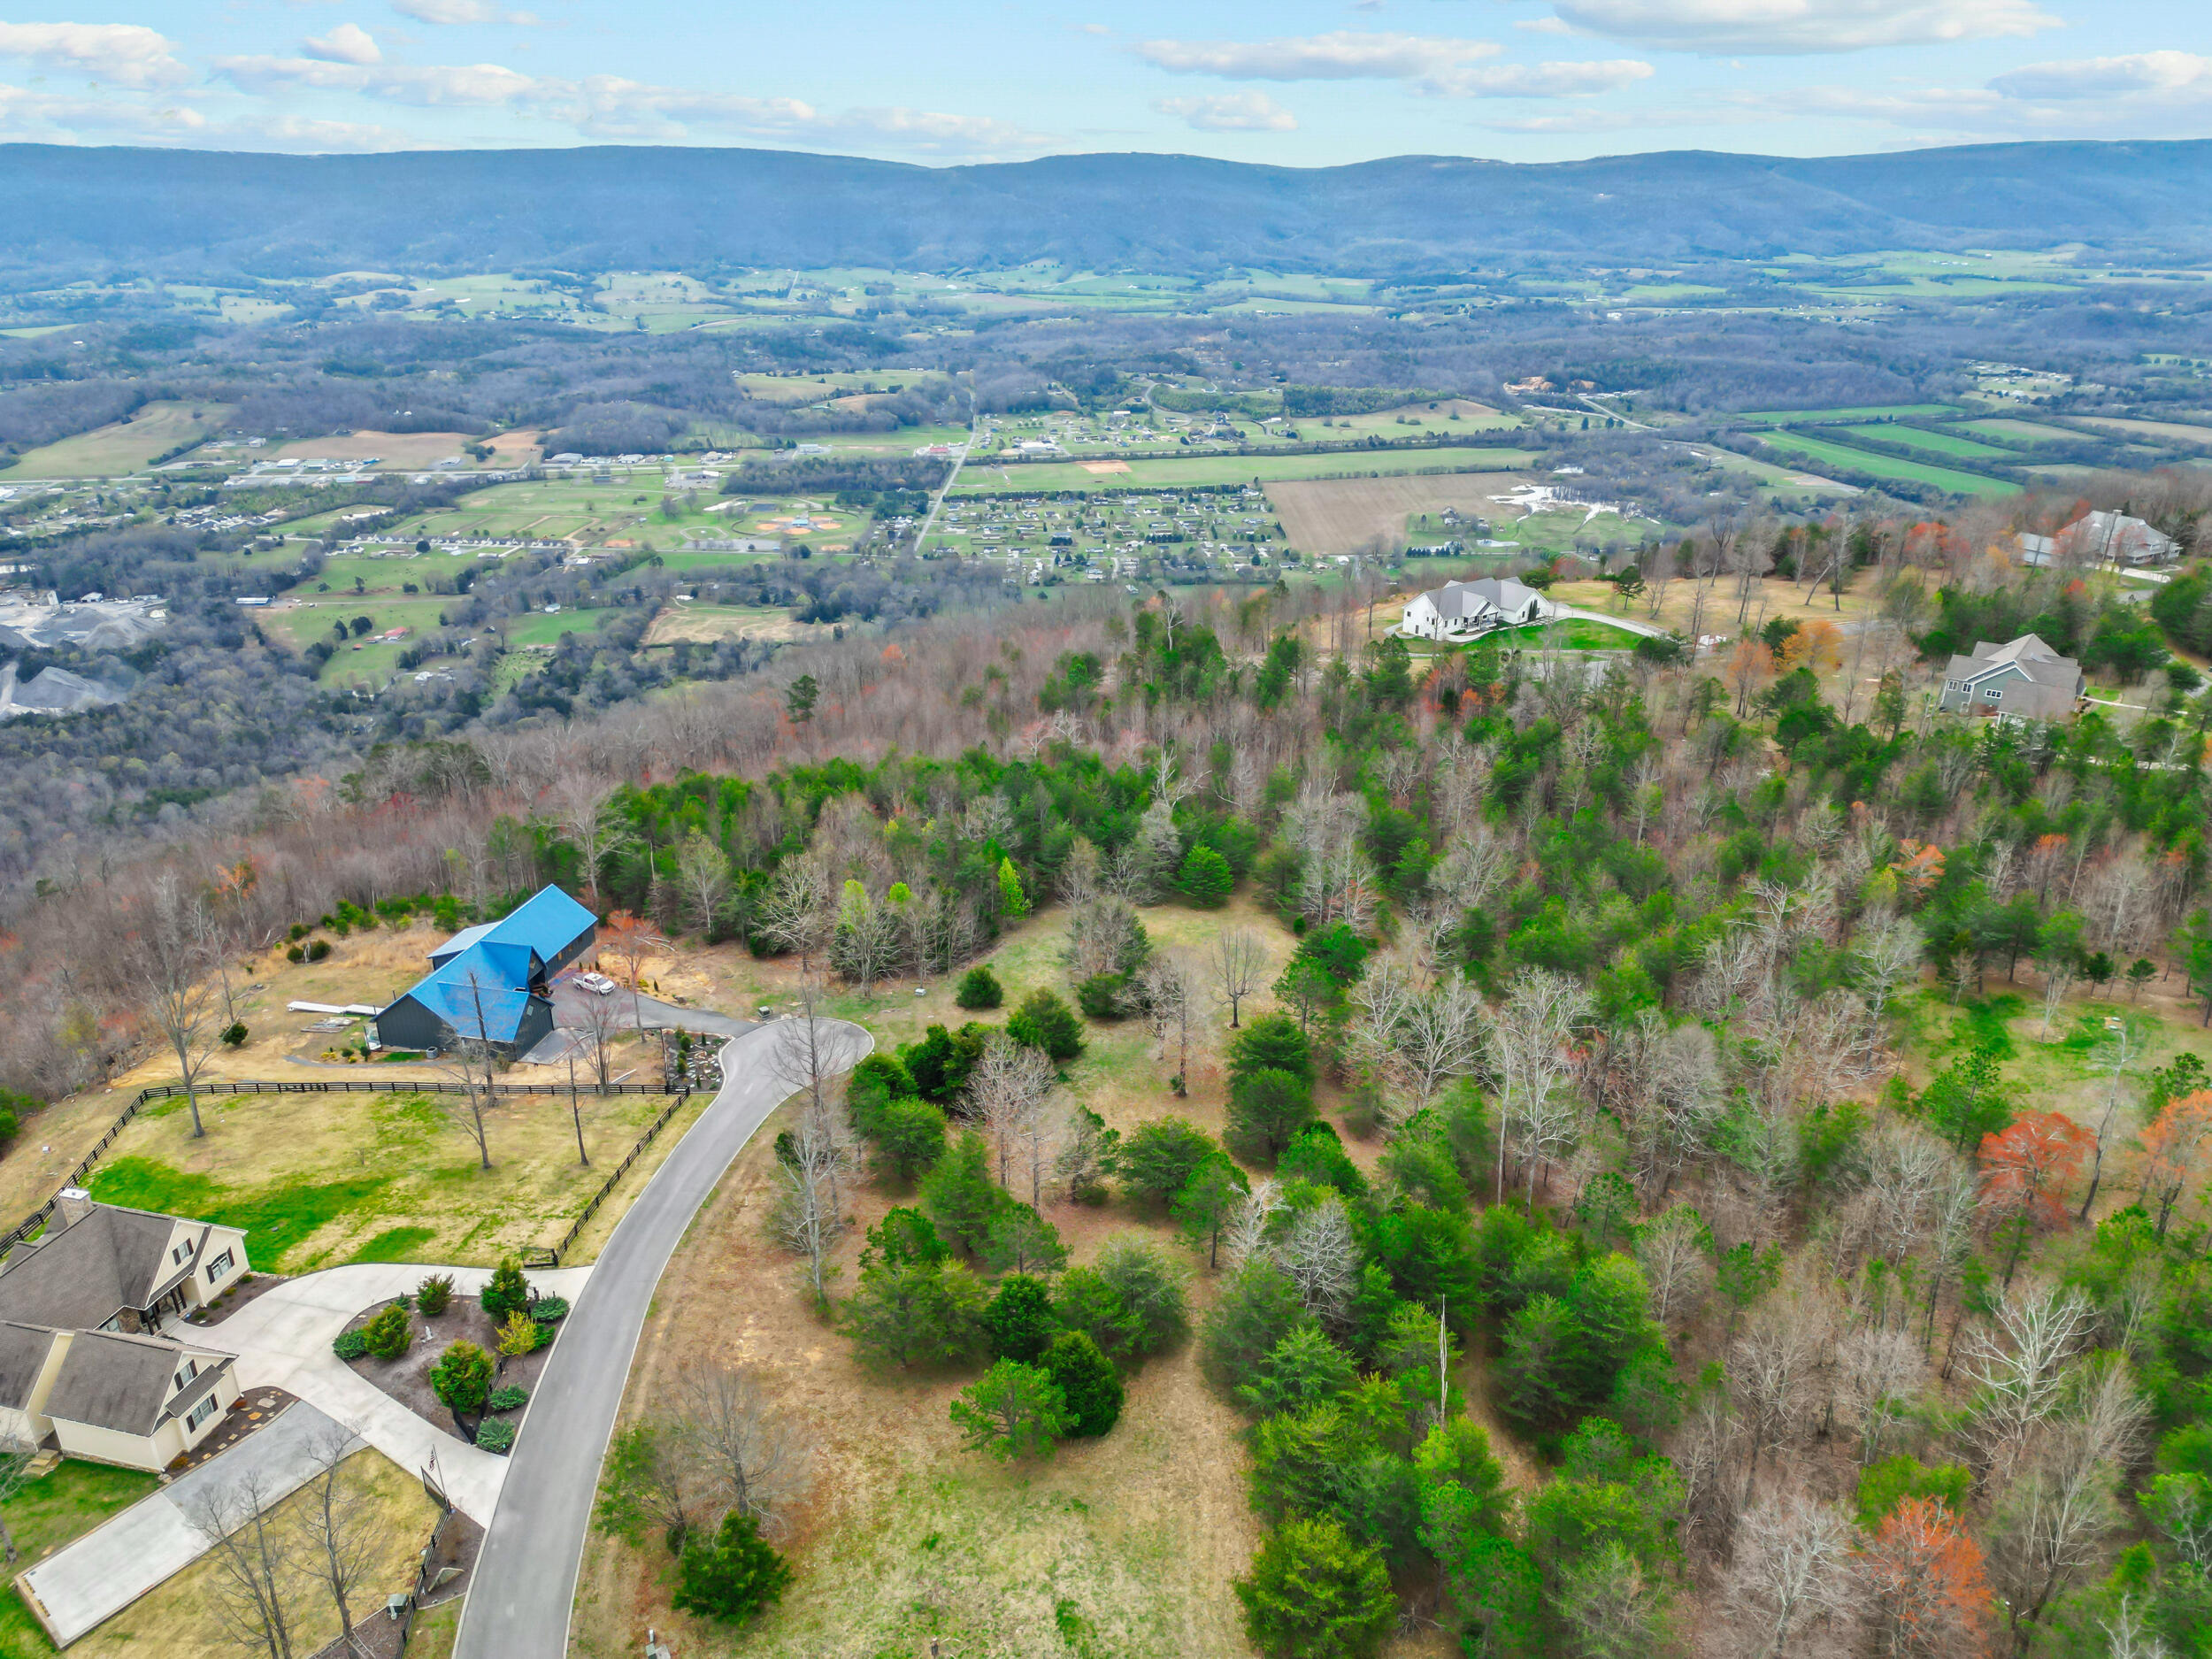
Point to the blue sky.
(1297, 82)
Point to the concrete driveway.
(156, 1537)
(283, 1340)
(525, 1581)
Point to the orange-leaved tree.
(2175, 1147)
(2024, 1170)
(1926, 1579)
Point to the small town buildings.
(2023, 680)
(487, 983)
(1463, 609)
(92, 1357)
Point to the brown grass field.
(903, 1538)
(401, 449)
(709, 622)
(179, 1619)
(1340, 515)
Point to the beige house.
(92, 1353)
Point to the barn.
(487, 983)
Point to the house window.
(1993, 694)
(191, 1370)
(219, 1266)
(199, 1413)
(181, 1252)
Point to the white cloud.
(348, 43)
(1718, 27)
(28, 116)
(126, 54)
(1538, 81)
(1231, 113)
(1544, 25)
(425, 85)
(2159, 73)
(1345, 55)
(457, 11)
(304, 136)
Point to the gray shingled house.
(2022, 679)
(90, 1353)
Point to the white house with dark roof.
(2022, 679)
(88, 1354)
(1463, 610)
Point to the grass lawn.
(2027, 431)
(320, 1179)
(1827, 453)
(53, 1510)
(178, 1620)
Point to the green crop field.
(125, 447)
(984, 480)
(1838, 417)
(1929, 443)
(540, 629)
(1838, 455)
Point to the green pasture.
(1929, 443)
(538, 628)
(125, 446)
(1838, 455)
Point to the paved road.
(525, 1581)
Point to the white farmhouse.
(1460, 610)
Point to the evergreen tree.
(1272, 1043)
(1087, 1381)
(1206, 878)
(1314, 1594)
(980, 989)
(1019, 1321)
(1015, 1410)
(506, 1291)
(1266, 1108)
(1043, 1021)
(959, 1194)
(732, 1576)
(1011, 899)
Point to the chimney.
(73, 1204)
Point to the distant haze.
(179, 213)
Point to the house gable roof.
(110, 1380)
(548, 922)
(80, 1277)
(24, 1349)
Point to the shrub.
(1089, 1382)
(316, 949)
(549, 1310)
(1206, 878)
(511, 1398)
(350, 1345)
(507, 1291)
(390, 1335)
(295, 954)
(734, 1575)
(1103, 996)
(462, 1377)
(435, 1294)
(498, 1436)
(980, 989)
(1043, 1021)
(235, 1035)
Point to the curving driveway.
(524, 1582)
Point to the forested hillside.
(181, 212)
(1713, 1163)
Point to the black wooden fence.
(539, 1255)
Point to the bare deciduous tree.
(796, 915)
(1007, 1091)
(171, 973)
(1789, 1587)
(1236, 961)
(586, 816)
(339, 1534)
(1675, 1251)
(1770, 1372)
(2020, 1369)
(1527, 1041)
(1879, 1371)
(741, 1443)
(1321, 1258)
(254, 1586)
(703, 871)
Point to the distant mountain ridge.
(178, 211)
